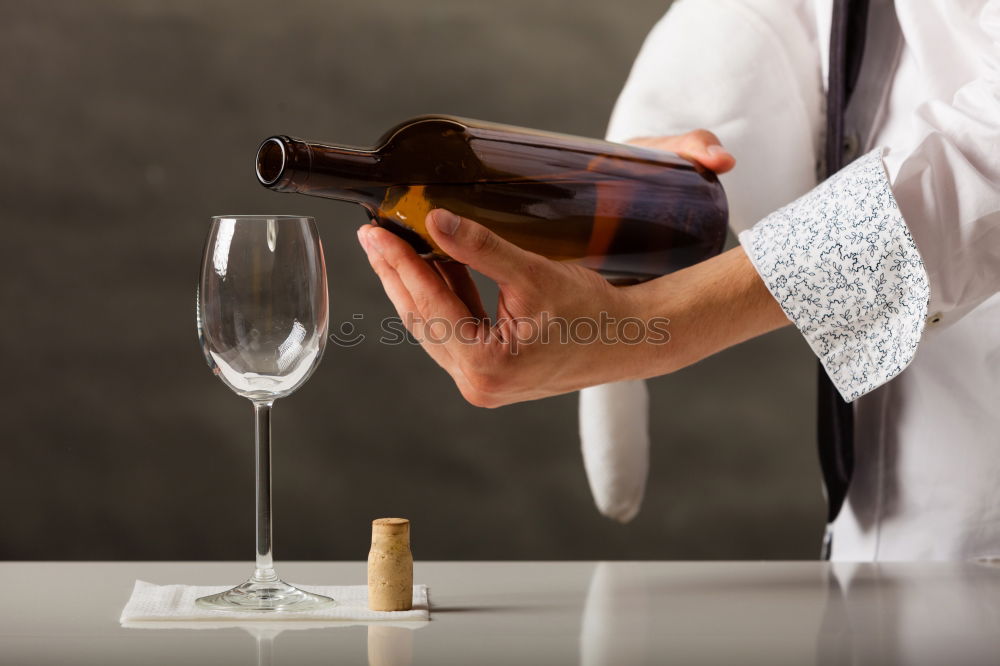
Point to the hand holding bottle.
(560, 327)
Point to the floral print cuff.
(842, 264)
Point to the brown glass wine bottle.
(629, 213)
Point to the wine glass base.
(273, 596)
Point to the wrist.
(710, 306)
(661, 304)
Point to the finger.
(473, 244)
(701, 146)
(402, 301)
(409, 313)
(457, 277)
(435, 302)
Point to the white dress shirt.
(891, 268)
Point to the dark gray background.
(126, 124)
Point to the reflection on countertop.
(794, 613)
(881, 614)
(388, 643)
(389, 646)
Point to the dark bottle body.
(629, 213)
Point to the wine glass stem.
(262, 457)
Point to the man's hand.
(698, 146)
(507, 359)
(560, 327)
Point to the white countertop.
(536, 613)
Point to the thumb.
(478, 247)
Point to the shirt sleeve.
(758, 87)
(947, 181)
(858, 262)
(844, 267)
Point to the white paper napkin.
(158, 603)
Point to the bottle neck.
(285, 164)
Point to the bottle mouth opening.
(271, 161)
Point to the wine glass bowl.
(262, 305)
(262, 315)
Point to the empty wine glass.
(262, 322)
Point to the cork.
(390, 566)
(392, 527)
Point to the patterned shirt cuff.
(842, 264)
